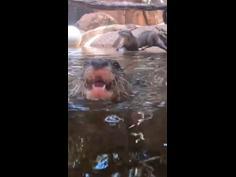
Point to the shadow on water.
(125, 139)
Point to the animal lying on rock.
(128, 42)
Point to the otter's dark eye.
(116, 65)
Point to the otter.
(151, 38)
(101, 79)
(129, 42)
(146, 39)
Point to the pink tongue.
(99, 92)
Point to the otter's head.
(125, 34)
(103, 79)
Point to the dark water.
(125, 139)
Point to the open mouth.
(99, 84)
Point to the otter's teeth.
(103, 87)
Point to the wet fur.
(151, 38)
(121, 87)
(128, 41)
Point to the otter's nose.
(97, 64)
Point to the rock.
(93, 20)
(89, 36)
(137, 17)
(154, 50)
(106, 40)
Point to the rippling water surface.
(125, 139)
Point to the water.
(125, 139)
